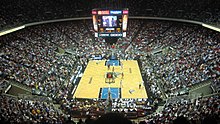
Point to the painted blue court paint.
(112, 63)
(114, 93)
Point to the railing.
(35, 98)
(20, 85)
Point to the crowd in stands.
(15, 110)
(132, 108)
(205, 11)
(4, 86)
(198, 111)
(45, 57)
(15, 13)
(33, 59)
(201, 110)
(179, 58)
(215, 85)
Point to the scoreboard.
(110, 23)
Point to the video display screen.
(109, 21)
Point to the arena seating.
(15, 13)
(34, 57)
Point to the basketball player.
(108, 66)
(121, 66)
(122, 75)
(139, 85)
(121, 84)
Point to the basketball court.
(99, 78)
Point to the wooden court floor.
(94, 78)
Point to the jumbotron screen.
(110, 23)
